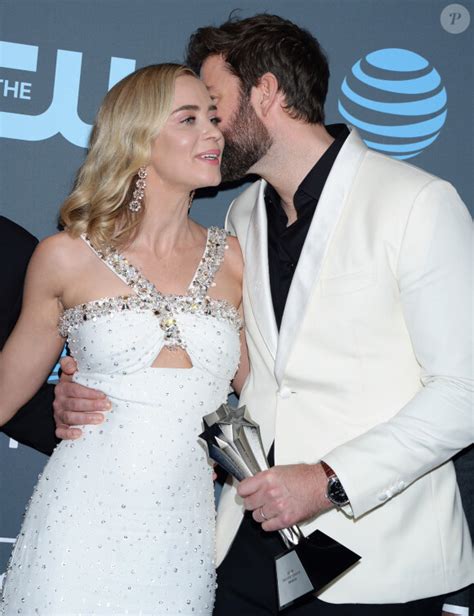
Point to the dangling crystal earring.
(135, 204)
(190, 200)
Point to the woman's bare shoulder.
(60, 252)
(60, 245)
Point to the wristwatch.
(334, 490)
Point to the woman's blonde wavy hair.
(129, 119)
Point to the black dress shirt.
(286, 242)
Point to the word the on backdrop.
(61, 117)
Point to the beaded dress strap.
(165, 307)
(207, 268)
(210, 262)
(124, 270)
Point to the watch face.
(336, 493)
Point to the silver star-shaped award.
(234, 442)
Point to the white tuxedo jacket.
(371, 370)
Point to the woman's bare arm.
(35, 336)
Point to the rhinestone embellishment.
(148, 298)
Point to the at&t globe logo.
(396, 99)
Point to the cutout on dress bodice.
(176, 357)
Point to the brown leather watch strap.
(328, 470)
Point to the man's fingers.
(272, 525)
(277, 523)
(66, 433)
(261, 515)
(63, 405)
(68, 365)
(74, 390)
(83, 405)
(249, 486)
(246, 487)
(75, 418)
(253, 502)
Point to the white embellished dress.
(122, 520)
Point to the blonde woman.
(122, 520)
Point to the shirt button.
(285, 392)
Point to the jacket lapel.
(308, 270)
(257, 278)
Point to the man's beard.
(246, 142)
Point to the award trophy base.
(309, 566)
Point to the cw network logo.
(396, 99)
(61, 117)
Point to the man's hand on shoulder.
(285, 495)
(76, 405)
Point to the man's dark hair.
(268, 43)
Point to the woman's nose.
(213, 132)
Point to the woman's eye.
(216, 121)
(188, 120)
